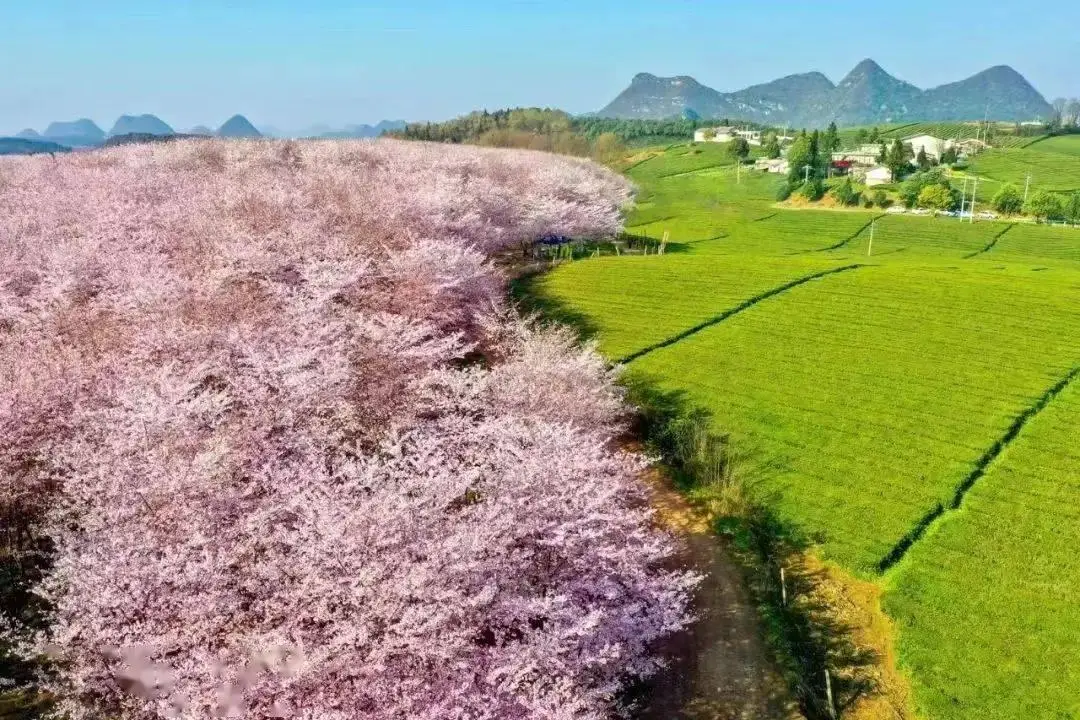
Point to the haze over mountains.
(866, 95)
(86, 133)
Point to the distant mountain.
(789, 99)
(23, 146)
(984, 95)
(238, 126)
(868, 94)
(364, 131)
(650, 96)
(28, 134)
(865, 96)
(142, 124)
(77, 133)
(200, 130)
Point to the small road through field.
(721, 668)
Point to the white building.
(752, 137)
(778, 165)
(932, 146)
(878, 176)
(724, 134)
(716, 134)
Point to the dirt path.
(723, 670)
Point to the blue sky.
(292, 64)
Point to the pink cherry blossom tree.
(232, 387)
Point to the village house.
(726, 134)
(970, 146)
(773, 165)
(934, 147)
(752, 137)
(863, 156)
(878, 176)
(716, 134)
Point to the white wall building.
(719, 134)
(878, 176)
(932, 146)
(752, 137)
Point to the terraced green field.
(913, 405)
(1054, 164)
(1062, 144)
(958, 131)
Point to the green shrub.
(784, 192)
(1008, 200)
(813, 190)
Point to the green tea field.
(905, 390)
(1053, 163)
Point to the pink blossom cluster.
(242, 381)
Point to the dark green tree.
(875, 134)
(922, 160)
(1043, 205)
(897, 159)
(830, 142)
(772, 148)
(739, 148)
(1072, 208)
(845, 193)
(1008, 200)
(800, 157)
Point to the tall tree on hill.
(772, 148)
(831, 140)
(1072, 112)
(739, 148)
(897, 160)
(875, 134)
(883, 154)
(1059, 105)
(800, 157)
(861, 136)
(922, 160)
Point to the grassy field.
(1054, 164)
(908, 405)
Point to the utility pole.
(963, 198)
(870, 247)
(1027, 184)
(974, 190)
(806, 177)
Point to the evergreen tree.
(772, 148)
(922, 160)
(897, 159)
(831, 140)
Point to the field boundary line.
(938, 512)
(744, 305)
(854, 235)
(993, 242)
(766, 217)
(691, 172)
